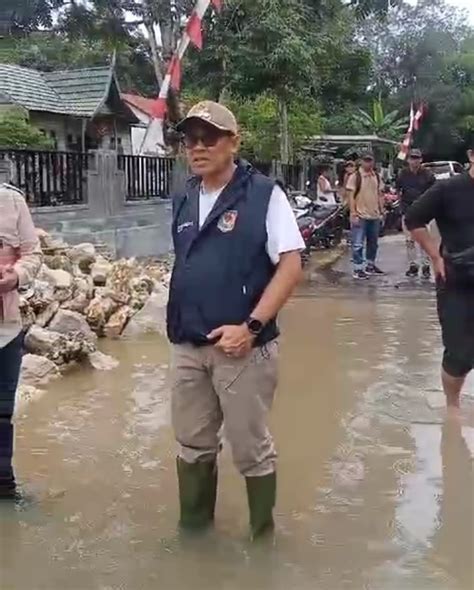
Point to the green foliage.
(259, 123)
(424, 52)
(259, 120)
(286, 47)
(24, 16)
(342, 122)
(299, 52)
(17, 132)
(363, 8)
(322, 60)
(47, 52)
(460, 72)
(409, 46)
(388, 125)
(254, 47)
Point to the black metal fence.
(146, 176)
(49, 178)
(292, 174)
(263, 167)
(52, 178)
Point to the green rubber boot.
(261, 494)
(197, 493)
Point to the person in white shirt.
(237, 260)
(324, 191)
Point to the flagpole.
(192, 34)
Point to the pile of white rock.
(81, 295)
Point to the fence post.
(179, 175)
(105, 184)
(303, 174)
(276, 171)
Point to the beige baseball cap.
(214, 114)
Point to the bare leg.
(452, 387)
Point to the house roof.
(80, 93)
(145, 105)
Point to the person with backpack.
(411, 183)
(451, 204)
(365, 193)
(20, 260)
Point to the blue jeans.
(10, 364)
(366, 230)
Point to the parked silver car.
(444, 169)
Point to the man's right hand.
(355, 219)
(439, 268)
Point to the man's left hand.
(236, 341)
(8, 280)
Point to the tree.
(118, 21)
(294, 50)
(389, 125)
(364, 8)
(259, 122)
(408, 47)
(16, 132)
(419, 53)
(460, 72)
(450, 101)
(25, 16)
(49, 52)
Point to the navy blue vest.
(222, 269)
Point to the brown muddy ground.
(375, 487)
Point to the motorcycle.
(393, 213)
(321, 225)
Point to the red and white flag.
(192, 34)
(412, 117)
(415, 121)
(418, 117)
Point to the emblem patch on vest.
(227, 221)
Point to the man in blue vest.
(237, 248)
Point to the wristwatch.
(255, 326)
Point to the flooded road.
(375, 488)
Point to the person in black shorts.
(451, 204)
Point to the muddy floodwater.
(375, 488)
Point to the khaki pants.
(210, 389)
(415, 253)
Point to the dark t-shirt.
(451, 204)
(412, 185)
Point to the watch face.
(255, 326)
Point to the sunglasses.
(208, 138)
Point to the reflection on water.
(375, 490)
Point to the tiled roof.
(75, 92)
(145, 105)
